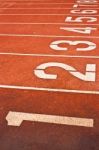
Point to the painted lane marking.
(37, 1)
(43, 14)
(48, 36)
(21, 2)
(48, 89)
(41, 23)
(89, 75)
(46, 55)
(16, 118)
(55, 45)
(40, 8)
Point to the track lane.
(39, 11)
(48, 29)
(47, 19)
(15, 44)
(34, 5)
(44, 136)
(24, 75)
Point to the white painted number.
(80, 19)
(87, 1)
(82, 5)
(88, 76)
(56, 45)
(16, 119)
(85, 30)
(83, 11)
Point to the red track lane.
(34, 5)
(25, 76)
(44, 136)
(46, 29)
(38, 1)
(36, 11)
(48, 5)
(45, 19)
(12, 44)
(42, 11)
(47, 1)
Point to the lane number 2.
(88, 76)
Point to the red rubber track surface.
(28, 29)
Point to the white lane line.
(44, 14)
(47, 36)
(33, 2)
(16, 119)
(42, 1)
(48, 89)
(39, 23)
(23, 2)
(48, 55)
(41, 8)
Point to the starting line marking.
(46, 55)
(48, 36)
(48, 89)
(16, 118)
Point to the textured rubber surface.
(49, 65)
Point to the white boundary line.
(48, 55)
(37, 3)
(33, 2)
(40, 2)
(48, 89)
(47, 36)
(33, 14)
(42, 8)
(39, 23)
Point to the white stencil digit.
(88, 76)
(80, 19)
(83, 30)
(56, 45)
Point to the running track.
(49, 75)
